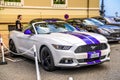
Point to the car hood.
(76, 38)
(109, 27)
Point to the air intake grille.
(92, 47)
(90, 60)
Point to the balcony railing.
(59, 6)
(5, 3)
(1, 2)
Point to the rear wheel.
(47, 59)
(12, 47)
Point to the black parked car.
(112, 33)
(77, 23)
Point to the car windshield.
(43, 28)
(110, 20)
(93, 22)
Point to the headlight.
(104, 31)
(61, 47)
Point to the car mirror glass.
(27, 32)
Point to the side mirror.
(103, 21)
(27, 32)
(82, 25)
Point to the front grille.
(92, 47)
(91, 59)
(115, 34)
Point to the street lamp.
(102, 11)
(116, 14)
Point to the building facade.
(30, 9)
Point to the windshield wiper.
(45, 33)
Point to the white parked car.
(60, 45)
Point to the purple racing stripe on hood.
(92, 38)
(81, 36)
(98, 51)
(96, 42)
(88, 40)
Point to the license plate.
(94, 55)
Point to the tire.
(47, 61)
(12, 47)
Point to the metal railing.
(6, 3)
(59, 6)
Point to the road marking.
(12, 60)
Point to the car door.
(27, 42)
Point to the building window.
(12, 2)
(59, 3)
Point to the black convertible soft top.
(45, 19)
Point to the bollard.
(36, 63)
(2, 50)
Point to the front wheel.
(47, 61)
(12, 47)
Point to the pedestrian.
(18, 23)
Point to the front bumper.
(77, 64)
(111, 39)
(77, 57)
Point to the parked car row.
(109, 20)
(97, 25)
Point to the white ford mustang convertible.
(60, 45)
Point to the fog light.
(66, 61)
(109, 55)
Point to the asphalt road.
(24, 69)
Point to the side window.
(70, 22)
(32, 29)
(59, 1)
(101, 19)
(87, 22)
(84, 22)
(42, 28)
